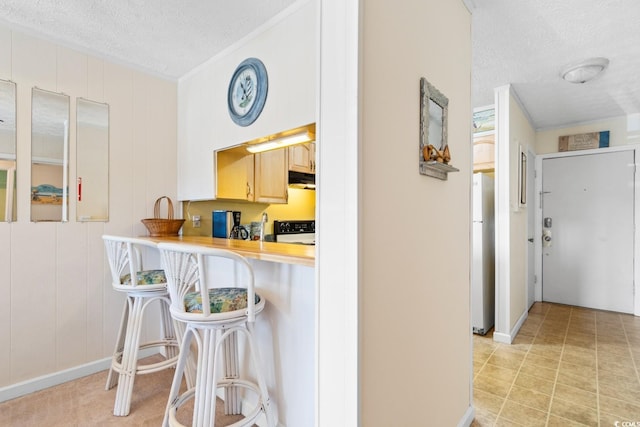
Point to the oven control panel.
(294, 227)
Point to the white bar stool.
(214, 318)
(125, 263)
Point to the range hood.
(302, 180)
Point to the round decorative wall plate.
(247, 91)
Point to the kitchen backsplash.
(302, 205)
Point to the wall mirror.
(434, 153)
(49, 156)
(92, 158)
(433, 116)
(7, 151)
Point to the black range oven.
(301, 232)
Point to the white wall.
(513, 132)
(286, 47)
(57, 309)
(415, 332)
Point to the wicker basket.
(160, 226)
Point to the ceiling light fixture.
(285, 141)
(584, 71)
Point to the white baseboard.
(40, 383)
(508, 338)
(467, 419)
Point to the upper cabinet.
(484, 139)
(302, 158)
(271, 177)
(484, 153)
(260, 177)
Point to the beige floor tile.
(481, 355)
(613, 379)
(581, 340)
(578, 370)
(530, 398)
(608, 338)
(574, 412)
(594, 356)
(523, 415)
(575, 395)
(615, 358)
(585, 383)
(500, 373)
(537, 371)
(522, 342)
(621, 369)
(607, 420)
(492, 385)
(477, 367)
(549, 340)
(620, 391)
(619, 348)
(578, 358)
(501, 422)
(534, 383)
(507, 358)
(551, 330)
(555, 421)
(614, 406)
(487, 402)
(483, 419)
(542, 361)
(551, 351)
(529, 330)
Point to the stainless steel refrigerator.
(483, 264)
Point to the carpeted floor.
(85, 402)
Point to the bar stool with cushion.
(125, 263)
(214, 319)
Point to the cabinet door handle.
(248, 190)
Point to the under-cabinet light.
(284, 141)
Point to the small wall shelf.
(436, 170)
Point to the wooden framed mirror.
(49, 156)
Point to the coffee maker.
(238, 231)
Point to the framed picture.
(522, 178)
(584, 141)
(484, 120)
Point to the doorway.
(588, 230)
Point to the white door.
(587, 211)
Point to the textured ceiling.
(524, 43)
(165, 37)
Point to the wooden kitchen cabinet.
(302, 158)
(260, 177)
(484, 153)
(234, 174)
(271, 176)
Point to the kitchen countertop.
(285, 253)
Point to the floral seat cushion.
(148, 277)
(221, 300)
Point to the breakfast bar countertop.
(266, 251)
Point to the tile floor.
(568, 366)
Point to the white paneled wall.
(57, 309)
